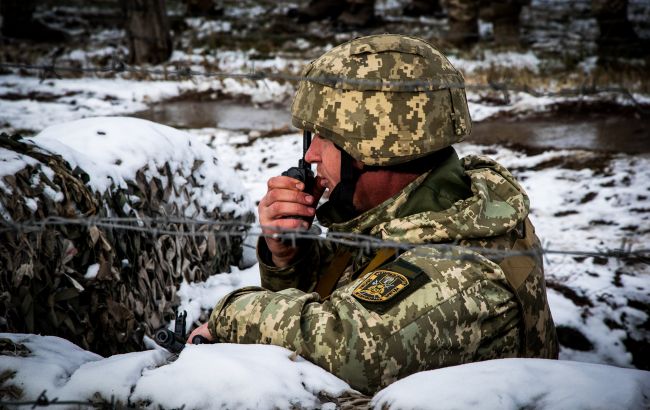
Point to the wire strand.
(241, 230)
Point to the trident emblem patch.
(380, 286)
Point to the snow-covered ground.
(581, 201)
(590, 295)
(270, 377)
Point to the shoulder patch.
(382, 288)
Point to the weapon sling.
(327, 283)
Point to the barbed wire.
(117, 66)
(160, 226)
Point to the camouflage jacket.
(436, 306)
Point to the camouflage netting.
(48, 283)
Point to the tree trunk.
(147, 30)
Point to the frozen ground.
(581, 201)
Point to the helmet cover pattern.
(384, 99)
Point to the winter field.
(583, 158)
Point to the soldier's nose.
(313, 153)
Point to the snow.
(203, 376)
(31, 203)
(114, 376)
(512, 59)
(511, 384)
(204, 295)
(206, 27)
(271, 377)
(71, 99)
(62, 100)
(237, 376)
(77, 118)
(112, 149)
(12, 162)
(49, 365)
(92, 271)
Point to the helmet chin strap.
(342, 195)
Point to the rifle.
(303, 172)
(175, 341)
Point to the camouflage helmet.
(384, 99)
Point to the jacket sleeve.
(463, 312)
(301, 274)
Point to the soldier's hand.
(285, 198)
(200, 331)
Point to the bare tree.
(147, 30)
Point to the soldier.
(383, 151)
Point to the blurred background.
(589, 56)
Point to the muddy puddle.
(217, 114)
(611, 133)
(607, 132)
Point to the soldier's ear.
(358, 164)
